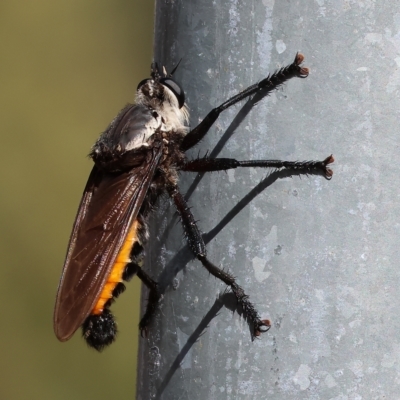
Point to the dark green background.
(67, 67)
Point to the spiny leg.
(270, 83)
(220, 164)
(154, 294)
(198, 247)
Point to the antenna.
(176, 67)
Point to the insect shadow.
(237, 120)
(185, 255)
(229, 301)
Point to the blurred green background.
(67, 67)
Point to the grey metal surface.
(319, 258)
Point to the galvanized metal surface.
(319, 258)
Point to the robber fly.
(136, 160)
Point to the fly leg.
(152, 302)
(220, 164)
(198, 247)
(270, 83)
(154, 294)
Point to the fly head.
(163, 94)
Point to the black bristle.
(120, 288)
(109, 302)
(130, 271)
(137, 249)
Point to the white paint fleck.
(248, 387)
(322, 8)
(231, 175)
(394, 81)
(319, 294)
(362, 69)
(356, 367)
(388, 360)
(373, 38)
(211, 73)
(280, 46)
(234, 19)
(338, 373)
(371, 370)
(302, 377)
(258, 266)
(341, 333)
(330, 381)
(268, 3)
(340, 397)
(264, 39)
(347, 309)
(355, 324)
(259, 214)
(293, 338)
(232, 249)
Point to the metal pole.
(318, 258)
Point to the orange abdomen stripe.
(118, 269)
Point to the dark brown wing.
(109, 204)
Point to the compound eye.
(141, 83)
(175, 89)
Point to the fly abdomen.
(117, 270)
(100, 328)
